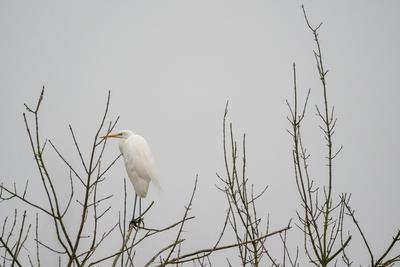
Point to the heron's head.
(124, 134)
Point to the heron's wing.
(140, 158)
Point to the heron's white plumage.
(138, 159)
(139, 162)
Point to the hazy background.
(171, 66)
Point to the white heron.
(139, 164)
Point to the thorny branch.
(318, 222)
(382, 260)
(242, 211)
(69, 244)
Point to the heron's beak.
(115, 135)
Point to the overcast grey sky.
(171, 66)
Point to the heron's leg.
(139, 219)
(134, 208)
(140, 207)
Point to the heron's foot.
(138, 222)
